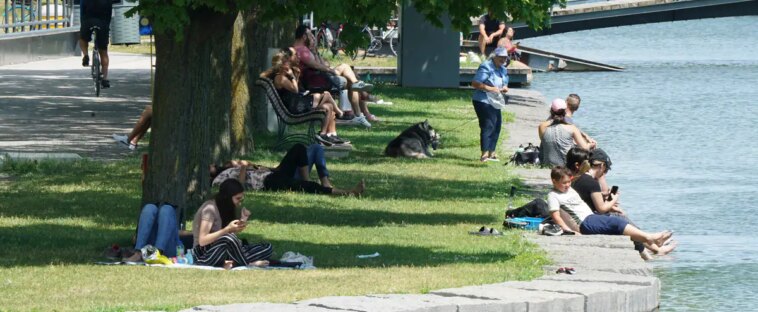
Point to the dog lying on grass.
(414, 142)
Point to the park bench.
(286, 118)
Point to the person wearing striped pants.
(215, 229)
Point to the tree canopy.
(173, 15)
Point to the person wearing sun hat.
(490, 82)
(557, 136)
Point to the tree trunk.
(242, 140)
(191, 108)
(260, 36)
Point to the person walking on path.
(491, 77)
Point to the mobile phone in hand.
(614, 189)
(244, 214)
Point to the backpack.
(537, 209)
(526, 155)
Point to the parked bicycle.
(378, 37)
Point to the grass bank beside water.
(56, 218)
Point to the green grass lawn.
(56, 218)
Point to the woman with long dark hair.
(557, 136)
(215, 229)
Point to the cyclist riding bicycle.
(96, 13)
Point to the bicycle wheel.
(394, 42)
(96, 75)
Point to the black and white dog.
(414, 142)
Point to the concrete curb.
(610, 275)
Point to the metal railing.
(33, 15)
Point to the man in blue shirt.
(491, 77)
(96, 13)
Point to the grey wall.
(35, 46)
(428, 55)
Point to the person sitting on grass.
(290, 175)
(140, 129)
(588, 188)
(286, 76)
(215, 228)
(564, 197)
(157, 226)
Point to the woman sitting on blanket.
(285, 73)
(215, 229)
(290, 175)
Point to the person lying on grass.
(564, 197)
(290, 175)
(215, 229)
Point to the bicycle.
(97, 76)
(377, 41)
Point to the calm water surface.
(681, 126)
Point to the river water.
(680, 127)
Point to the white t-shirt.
(571, 202)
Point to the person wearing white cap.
(557, 136)
(491, 77)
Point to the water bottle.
(180, 253)
(188, 256)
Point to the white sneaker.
(361, 120)
(360, 85)
(379, 102)
(124, 141)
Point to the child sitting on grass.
(564, 197)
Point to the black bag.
(526, 155)
(537, 209)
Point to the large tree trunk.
(260, 36)
(242, 140)
(191, 106)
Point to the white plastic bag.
(496, 100)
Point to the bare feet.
(662, 237)
(259, 263)
(666, 249)
(645, 255)
(325, 182)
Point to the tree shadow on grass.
(344, 255)
(383, 185)
(45, 244)
(271, 209)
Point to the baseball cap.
(501, 51)
(558, 104)
(600, 155)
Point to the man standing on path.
(96, 13)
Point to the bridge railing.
(18, 16)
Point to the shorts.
(603, 224)
(343, 82)
(85, 32)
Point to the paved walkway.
(49, 106)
